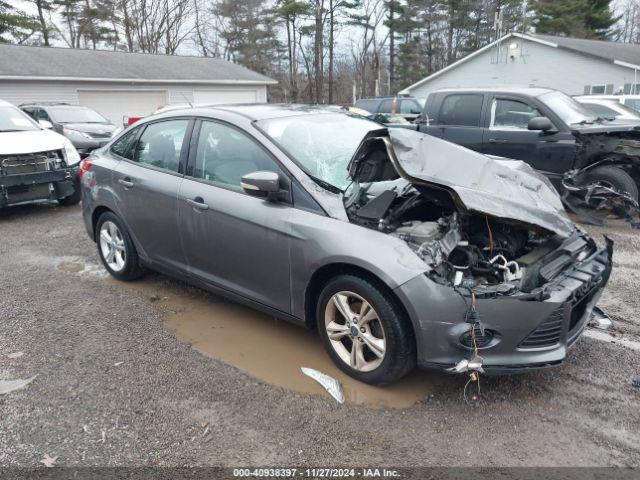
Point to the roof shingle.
(625, 52)
(26, 61)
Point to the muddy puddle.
(268, 349)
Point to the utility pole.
(392, 52)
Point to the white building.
(574, 66)
(119, 84)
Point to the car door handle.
(198, 203)
(498, 140)
(126, 181)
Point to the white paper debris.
(330, 384)
(15, 355)
(48, 461)
(7, 386)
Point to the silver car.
(400, 248)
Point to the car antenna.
(187, 100)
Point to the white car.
(631, 101)
(609, 108)
(36, 164)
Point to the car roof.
(5, 104)
(386, 97)
(531, 91)
(588, 98)
(257, 111)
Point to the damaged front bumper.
(38, 186)
(519, 332)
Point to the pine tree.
(15, 25)
(574, 18)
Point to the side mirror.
(540, 123)
(45, 124)
(262, 184)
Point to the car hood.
(91, 127)
(502, 188)
(12, 143)
(614, 126)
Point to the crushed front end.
(510, 283)
(30, 177)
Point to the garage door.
(224, 96)
(115, 104)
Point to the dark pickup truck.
(545, 128)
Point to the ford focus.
(401, 249)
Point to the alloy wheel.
(355, 331)
(112, 246)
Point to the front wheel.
(364, 331)
(115, 248)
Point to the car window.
(41, 115)
(224, 155)
(601, 109)
(461, 110)
(512, 114)
(410, 107)
(13, 119)
(386, 105)
(633, 103)
(121, 147)
(367, 104)
(75, 114)
(160, 144)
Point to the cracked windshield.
(322, 144)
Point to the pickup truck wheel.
(115, 248)
(614, 177)
(364, 331)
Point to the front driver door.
(508, 136)
(232, 240)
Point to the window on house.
(598, 89)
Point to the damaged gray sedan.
(400, 248)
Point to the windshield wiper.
(12, 130)
(326, 185)
(583, 122)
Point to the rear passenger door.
(459, 120)
(147, 182)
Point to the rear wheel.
(366, 334)
(116, 250)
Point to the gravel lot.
(115, 387)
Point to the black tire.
(613, 176)
(132, 268)
(400, 349)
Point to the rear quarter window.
(461, 110)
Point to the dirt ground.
(157, 373)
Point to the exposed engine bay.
(475, 252)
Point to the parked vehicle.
(86, 128)
(631, 101)
(407, 107)
(36, 164)
(609, 109)
(398, 247)
(545, 128)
